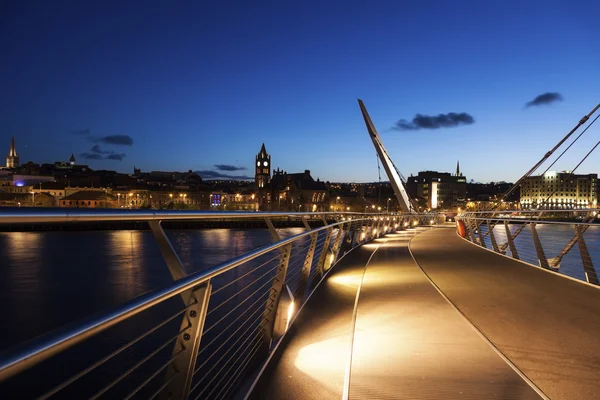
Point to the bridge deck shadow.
(408, 341)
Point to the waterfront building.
(12, 160)
(559, 190)
(89, 199)
(441, 190)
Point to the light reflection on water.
(48, 279)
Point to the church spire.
(457, 169)
(13, 148)
(12, 161)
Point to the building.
(12, 160)
(433, 190)
(559, 190)
(297, 192)
(89, 199)
(262, 177)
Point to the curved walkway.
(408, 341)
(547, 325)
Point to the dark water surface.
(48, 279)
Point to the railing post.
(492, 237)
(337, 244)
(181, 371)
(324, 251)
(588, 267)
(542, 260)
(511, 242)
(307, 266)
(275, 292)
(480, 234)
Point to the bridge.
(388, 305)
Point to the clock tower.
(262, 178)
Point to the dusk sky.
(192, 85)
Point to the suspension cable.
(547, 155)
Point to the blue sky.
(195, 84)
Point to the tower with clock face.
(262, 177)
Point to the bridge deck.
(409, 342)
(547, 325)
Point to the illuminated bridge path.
(455, 321)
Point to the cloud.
(420, 121)
(81, 132)
(96, 153)
(543, 99)
(117, 157)
(119, 140)
(91, 156)
(96, 149)
(219, 175)
(226, 167)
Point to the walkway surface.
(408, 341)
(546, 324)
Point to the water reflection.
(49, 279)
(127, 275)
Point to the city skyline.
(201, 88)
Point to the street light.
(388, 205)
(33, 199)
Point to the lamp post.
(388, 205)
(33, 199)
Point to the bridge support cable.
(572, 143)
(549, 153)
(533, 169)
(393, 175)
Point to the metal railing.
(201, 336)
(563, 241)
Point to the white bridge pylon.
(388, 165)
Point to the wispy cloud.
(119, 140)
(91, 156)
(544, 99)
(420, 121)
(96, 153)
(226, 167)
(117, 157)
(219, 175)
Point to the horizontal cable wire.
(233, 296)
(246, 274)
(236, 307)
(234, 321)
(137, 365)
(69, 381)
(158, 371)
(241, 367)
(164, 385)
(224, 374)
(253, 336)
(229, 338)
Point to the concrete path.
(407, 341)
(547, 325)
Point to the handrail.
(23, 215)
(497, 231)
(39, 349)
(196, 290)
(585, 210)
